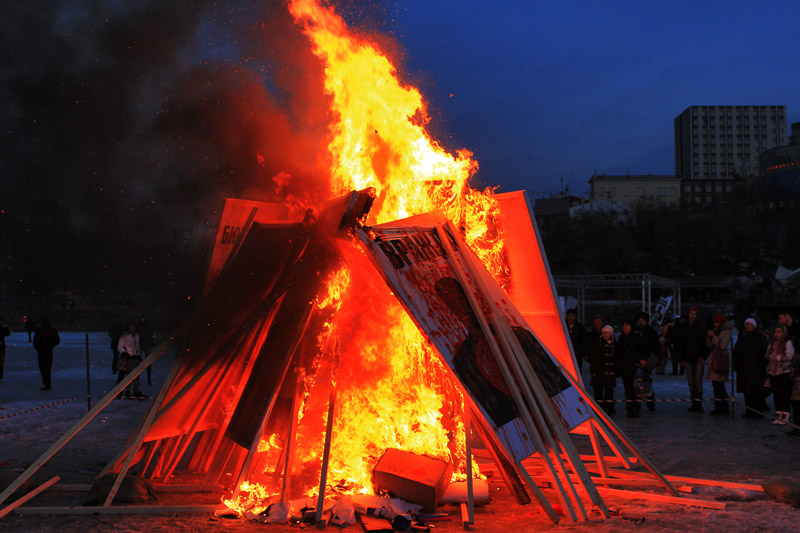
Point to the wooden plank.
(32, 494)
(598, 451)
(624, 459)
(633, 495)
(539, 403)
(525, 415)
(618, 432)
(118, 509)
(88, 417)
(326, 450)
(151, 413)
(692, 480)
(465, 516)
(289, 447)
(468, 444)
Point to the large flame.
(392, 390)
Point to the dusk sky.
(550, 90)
(147, 112)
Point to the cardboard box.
(414, 478)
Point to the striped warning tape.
(46, 406)
(662, 400)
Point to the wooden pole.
(531, 385)
(35, 492)
(618, 432)
(289, 447)
(326, 453)
(525, 415)
(75, 429)
(598, 451)
(142, 432)
(468, 444)
(88, 378)
(623, 458)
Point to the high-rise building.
(717, 147)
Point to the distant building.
(779, 180)
(717, 147)
(553, 211)
(632, 191)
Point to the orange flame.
(392, 389)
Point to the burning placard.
(411, 257)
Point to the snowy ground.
(679, 443)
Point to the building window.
(662, 191)
(640, 192)
(717, 188)
(671, 191)
(728, 187)
(708, 187)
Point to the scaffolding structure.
(645, 282)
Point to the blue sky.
(545, 90)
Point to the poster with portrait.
(413, 261)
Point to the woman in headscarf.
(718, 339)
(602, 363)
(780, 353)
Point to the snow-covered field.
(679, 443)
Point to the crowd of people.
(763, 361)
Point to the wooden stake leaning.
(468, 444)
(598, 451)
(618, 432)
(74, 430)
(533, 434)
(142, 432)
(533, 388)
(27, 497)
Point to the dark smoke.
(126, 124)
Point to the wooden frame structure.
(257, 370)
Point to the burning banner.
(410, 256)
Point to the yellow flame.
(395, 392)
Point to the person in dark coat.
(693, 357)
(44, 340)
(4, 332)
(602, 363)
(751, 367)
(651, 349)
(629, 358)
(577, 336)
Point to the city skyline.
(542, 92)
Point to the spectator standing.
(4, 332)
(602, 362)
(675, 331)
(693, 357)
(45, 339)
(629, 358)
(780, 353)
(651, 348)
(577, 336)
(130, 355)
(751, 367)
(30, 325)
(718, 340)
